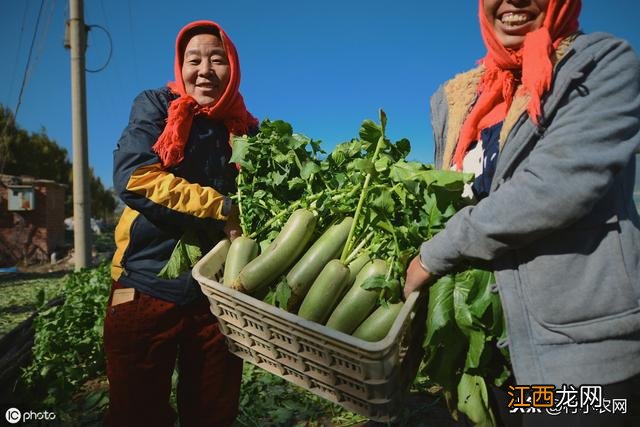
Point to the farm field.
(20, 294)
(265, 400)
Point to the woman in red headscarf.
(171, 169)
(549, 122)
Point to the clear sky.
(324, 66)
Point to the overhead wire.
(50, 6)
(4, 147)
(24, 78)
(133, 43)
(116, 69)
(104, 95)
(110, 49)
(15, 62)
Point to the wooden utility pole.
(81, 201)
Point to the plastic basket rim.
(345, 339)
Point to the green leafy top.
(406, 202)
(398, 204)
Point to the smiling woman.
(550, 123)
(205, 69)
(172, 170)
(511, 21)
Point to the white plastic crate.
(368, 378)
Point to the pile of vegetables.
(395, 204)
(329, 237)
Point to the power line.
(49, 9)
(15, 63)
(96, 70)
(24, 79)
(11, 119)
(133, 44)
(115, 69)
(104, 13)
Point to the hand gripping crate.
(368, 378)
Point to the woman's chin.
(511, 41)
(205, 100)
(512, 36)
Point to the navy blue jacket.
(162, 204)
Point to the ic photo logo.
(13, 415)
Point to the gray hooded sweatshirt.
(559, 227)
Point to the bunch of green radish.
(324, 288)
(363, 208)
(324, 281)
(329, 237)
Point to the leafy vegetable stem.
(274, 219)
(357, 249)
(395, 241)
(397, 255)
(297, 159)
(243, 224)
(339, 195)
(388, 276)
(294, 205)
(325, 183)
(363, 194)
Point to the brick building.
(31, 219)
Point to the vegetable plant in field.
(21, 296)
(68, 341)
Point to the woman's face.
(205, 68)
(513, 19)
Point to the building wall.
(55, 215)
(31, 236)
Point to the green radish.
(327, 247)
(356, 265)
(283, 251)
(358, 303)
(325, 292)
(242, 250)
(354, 268)
(377, 325)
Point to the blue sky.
(322, 66)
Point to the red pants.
(142, 339)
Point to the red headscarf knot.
(504, 68)
(230, 108)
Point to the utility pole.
(81, 201)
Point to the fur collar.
(461, 94)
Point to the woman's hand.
(417, 276)
(232, 226)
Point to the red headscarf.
(533, 59)
(230, 108)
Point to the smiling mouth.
(207, 86)
(515, 19)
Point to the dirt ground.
(66, 264)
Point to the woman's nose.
(520, 3)
(205, 68)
